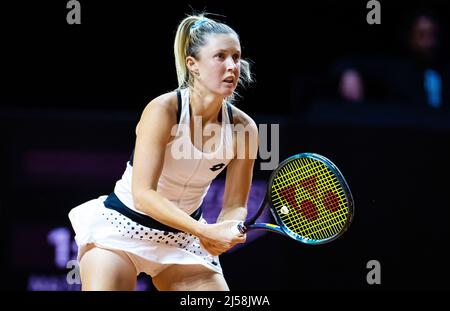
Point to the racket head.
(310, 199)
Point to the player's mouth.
(229, 80)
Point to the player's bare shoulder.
(244, 121)
(166, 103)
(245, 133)
(163, 108)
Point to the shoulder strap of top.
(230, 113)
(179, 106)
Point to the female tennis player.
(152, 221)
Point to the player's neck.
(205, 105)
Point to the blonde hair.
(191, 35)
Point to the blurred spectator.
(419, 78)
(351, 86)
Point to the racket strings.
(310, 210)
(309, 199)
(328, 221)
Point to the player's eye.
(219, 55)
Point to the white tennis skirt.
(150, 250)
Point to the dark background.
(71, 96)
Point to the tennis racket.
(309, 199)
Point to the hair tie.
(198, 23)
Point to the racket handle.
(239, 229)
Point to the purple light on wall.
(67, 165)
(58, 282)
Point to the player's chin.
(227, 89)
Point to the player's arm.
(152, 135)
(240, 170)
